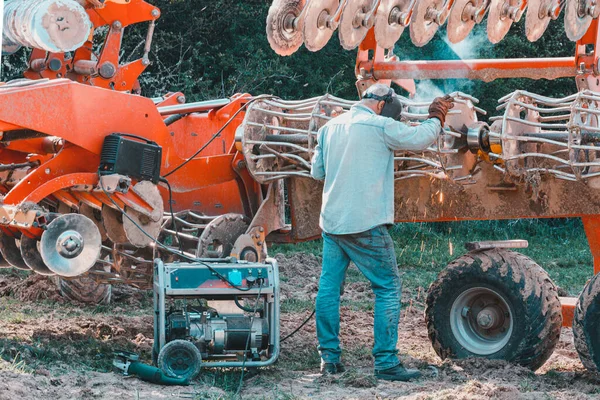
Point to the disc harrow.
(291, 22)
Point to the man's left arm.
(317, 169)
(400, 136)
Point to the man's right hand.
(439, 108)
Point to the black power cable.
(300, 327)
(173, 224)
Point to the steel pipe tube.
(198, 106)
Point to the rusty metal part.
(539, 14)
(578, 17)
(218, 238)
(112, 220)
(356, 20)
(284, 26)
(20, 134)
(270, 216)
(70, 245)
(304, 197)
(9, 248)
(319, 23)
(390, 20)
(11, 167)
(485, 70)
(51, 25)
(501, 16)
(31, 256)
(25, 216)
(463, 17)
(424, 22)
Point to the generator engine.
(214, 334)
(215, 313)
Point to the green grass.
(424, 249)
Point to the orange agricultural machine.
(100, 181)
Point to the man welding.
(355, 158)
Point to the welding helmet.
(392, 107)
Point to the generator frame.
(168, 286)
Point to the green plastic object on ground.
(128, 363)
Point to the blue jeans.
(373, 253)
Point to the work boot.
(397, 373)
(332, 368)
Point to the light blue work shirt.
(355, 157)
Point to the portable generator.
(218, 313)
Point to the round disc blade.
(32, 257)
(498, 26)
(10, 48)
(140, 237)
(315, 30)
(422, 29)
(71, 245)
(220, 235)
(537, 20)
(151, 226)
(387, 29)
(112, 220)
(352, 29)
(10, 251)
(460, 23)
(576, 24)
(284, 38)
(95, 215)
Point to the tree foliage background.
(210, 49)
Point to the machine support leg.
(592, 231)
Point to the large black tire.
(85, 290)
(531, 316)
(586, 325)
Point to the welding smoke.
(467, 49)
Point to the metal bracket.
(497, 244)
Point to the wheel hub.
(490, 317)
(70, 244)
(481, 321)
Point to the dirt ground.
(53, 350)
